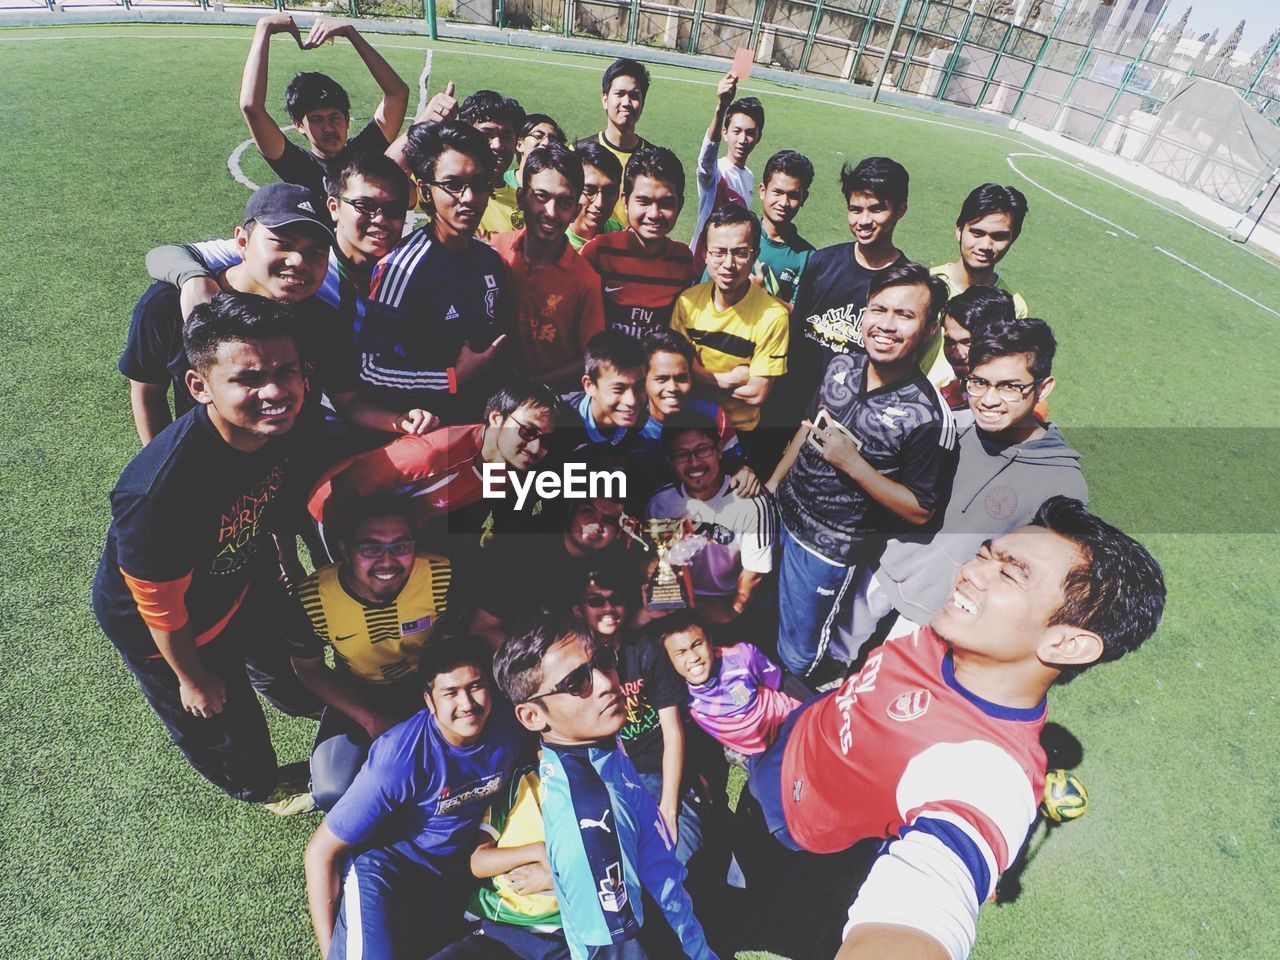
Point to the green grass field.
(116, 139)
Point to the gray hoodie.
(997, 488)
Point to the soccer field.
(118, 138)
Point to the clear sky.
(1260, 18)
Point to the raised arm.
(725, 90)
(253, 85)
(395, 92)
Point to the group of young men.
(844, 457)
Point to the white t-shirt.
(749, 525)
(720, 181)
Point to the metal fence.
(1095, 71)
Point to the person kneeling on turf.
(387, 871)
(378, 607)
(935, 744)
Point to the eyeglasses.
(739, 254)
(456, 186)
(391, 209)
(598, 601)
(590, 193)
(529, 434)
(702, 451)
(1005, 389)
(373, 550)
(581, 679)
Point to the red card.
(742, 63)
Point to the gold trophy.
(665, 589)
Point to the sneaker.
(289, 801)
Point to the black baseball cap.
(280, 204)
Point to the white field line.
(1057, 196)
(424, 79)
(233, 164)
(1210, 276)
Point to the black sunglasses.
(581, 679)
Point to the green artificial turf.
(116, 139)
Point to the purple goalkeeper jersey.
(741, 704)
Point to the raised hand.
(324, 30)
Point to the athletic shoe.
(288, 801)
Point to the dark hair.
(1116, 590)
(978, 305)
(514, 393)
(426, 142)
(449, 653)
(603, 159)
(904, 273)
(993, 198)
(612, 348)
(313, 91)
(879, 176)
(748, 107)
(234, 318)
(729, 214)
(685, 421)
(532, 120)
(666, 340)
(616, 574)
(489, 106)
(517, 667)
(1003, 336)
(626, 67)
(678, 621)
(557, 157)
(371, 165)
(792, 164)
(657, 163)
(357, 510)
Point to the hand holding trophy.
(665, 589)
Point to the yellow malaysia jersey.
(378, 642)
(515, 820)
(754, 331)
(933, 361)
(502, 215)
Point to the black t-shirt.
(907, 434)
(153, 352)
(299, 165)
(649, 683)
(530, 572)
(190, 505)
(826, 320)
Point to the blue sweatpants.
(394, 908)
(811, 592)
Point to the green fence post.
(500, 15)
(429, 11)
(1263, 68)
(1129, 73)
(888, 50)
(812, 32)
(755, 27)
(873, 7)
(695, 30)
(995, 63)
(916, 30)
(1071, 84)
(633, 22)
(954, 59)
(566, 26)
(1035, 67)
(354, 8)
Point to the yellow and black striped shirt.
(375, 642)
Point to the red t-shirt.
(559, 306)
(901, 743)
(640, 290)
